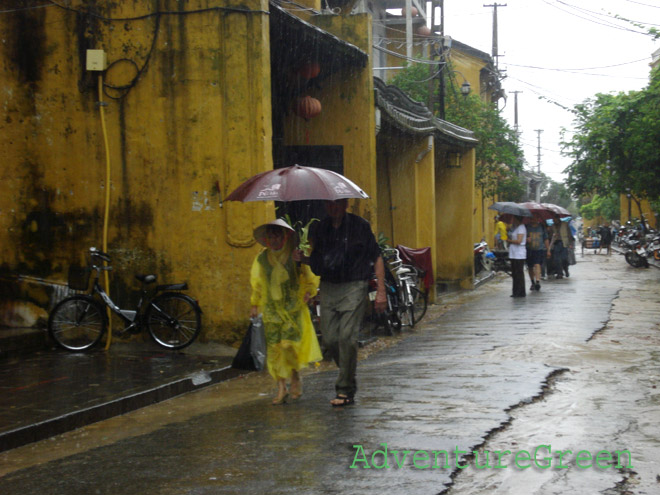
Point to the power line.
(582, 68)
(602, 14)
(610, 25)
(644, 4)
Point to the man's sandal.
(342, 400)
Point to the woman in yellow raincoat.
(280, 290)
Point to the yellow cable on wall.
(106, 213)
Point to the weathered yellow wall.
(195, 124)
(454, 197)
(468, 68)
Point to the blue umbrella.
(510, 208)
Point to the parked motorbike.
(636, 255)
(484, 259)
(653, 247)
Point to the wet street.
(573, 367)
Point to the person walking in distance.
(518, 255)
(537, 245)
(280, 290)
(500, 234)
(605, 239)
(345, 254)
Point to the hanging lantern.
(307, 107)
(309, 70)
(423, 31)
(413, 12)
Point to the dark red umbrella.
(557, 210)
(539, 211)
(296, 183)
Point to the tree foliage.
(605, 207)
(556, 193)
(614, 148)
(498, 154)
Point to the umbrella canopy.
(538, 210)
(557, 210)
(510, 208)
(296, 183)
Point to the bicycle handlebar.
(99, 254)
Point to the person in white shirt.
(518, 255)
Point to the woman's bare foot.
(282, 394)
(296, 385)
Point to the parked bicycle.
(78, 322)
(412, 302)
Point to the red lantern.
(307, 107)
(309, 70)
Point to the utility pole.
(433, 69)
(515, 110)
(495, 48)
(409, 34)
(538, 153)
(443, 63)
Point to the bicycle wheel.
(77, 322)
(406, 312)
(420, 303)
(173, 320)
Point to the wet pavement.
(53, 391)
(574, 365)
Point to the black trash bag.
(251, 355)
(258, 343)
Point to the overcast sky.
(581, 50)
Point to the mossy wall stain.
(179, 135)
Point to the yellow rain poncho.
(278, 289)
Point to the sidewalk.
(52, 391)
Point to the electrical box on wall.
(97, 60)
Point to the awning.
(296, 40)
(412, 117)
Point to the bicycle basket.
(79, 277)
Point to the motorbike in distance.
(484, 258)
(636, 254)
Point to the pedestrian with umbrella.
(518, 255)
(517, 242)
(344, 254)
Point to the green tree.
(614, 147)
(605, 207)
(498, 155)
(557, 193)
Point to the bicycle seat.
(147, 279)
(403, 269)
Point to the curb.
(71, 421)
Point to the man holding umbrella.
(345, 254)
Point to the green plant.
(303, 233)
(382, 241)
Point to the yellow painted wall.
(195, 124)
(469, 68)
(454, 197)
(406, 192)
